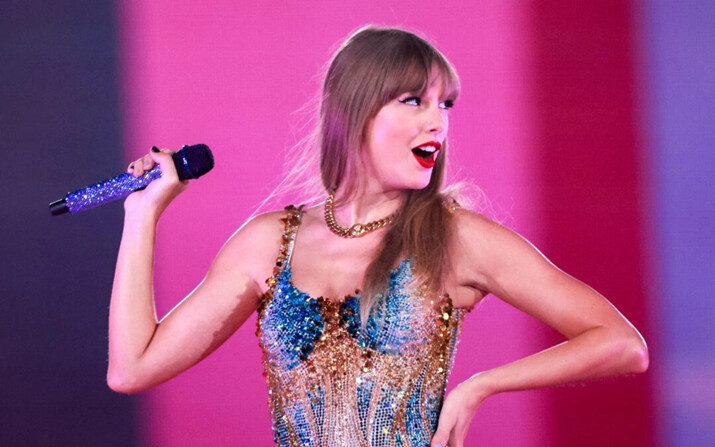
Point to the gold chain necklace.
(356, 230)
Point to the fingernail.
(438, 445)
(155, 149)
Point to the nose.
(436, 121)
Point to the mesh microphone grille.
(199, 158)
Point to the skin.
(486, 258)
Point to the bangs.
(410, 70)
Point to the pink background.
(546, 126)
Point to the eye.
(411, 101)
(448, 104)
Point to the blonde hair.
(371, 68)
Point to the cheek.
(445, 119)
(382, 139)
(399, 135)
(390, 135)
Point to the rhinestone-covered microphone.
(191, 162)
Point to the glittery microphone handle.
(109, 190)
(191, 162)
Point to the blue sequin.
(333, 383)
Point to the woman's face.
(402, 141)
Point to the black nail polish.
(155, 149)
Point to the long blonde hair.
(371, 68)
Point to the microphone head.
(193, 161)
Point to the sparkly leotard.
(331, 383)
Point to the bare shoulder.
(468, 220)
(262, 229)
(482, 250)
(253, 248)
(474, 231)
(468, 236)
(264, 225)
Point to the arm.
(144, 352)
(600, 341)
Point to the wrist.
(139, 218)
(479, 387)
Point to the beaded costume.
(331, 383)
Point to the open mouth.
(426, 154)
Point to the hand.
(458, 409)
(157, 196)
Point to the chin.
(416, 181)
(420, 184)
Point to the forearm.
(598, 352)
(132, 315)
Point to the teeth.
(427, 148)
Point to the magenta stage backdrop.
(546, 126)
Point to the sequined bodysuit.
(332, 383)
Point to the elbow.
(636, 355)
(642, 357)
(121, 386)
(122, 383)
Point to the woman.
(365, 294)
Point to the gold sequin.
(332, 382)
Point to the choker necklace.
(356, 230)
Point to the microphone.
(191, 162)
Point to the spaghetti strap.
(292, 222)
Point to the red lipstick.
(426, 153)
